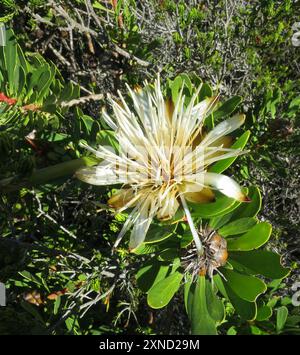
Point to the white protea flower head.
(163, 158)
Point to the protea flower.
(163, 158)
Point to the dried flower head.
(163, 157)
(214, 254)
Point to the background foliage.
(55, 252)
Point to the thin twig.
(82, 100)
(51, 219)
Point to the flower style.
(163, 158)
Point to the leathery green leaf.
(282, 314)
(261, 262)
(227, 107)
(253, 239)
(238, 226)
(151, 273)
(249, 209)
(247, 310)
(264, 313)
(220, 206)
(246, 287)
(158, 233)
(215, 306)
(162, 292)
(202, 323)
(222, 165)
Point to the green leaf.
(219, 221)
(238, 226)
(273, 301)
(246, 287)
(228, 107)
(158, 233)
(209, 122)
(176, 87)
(222, 165)
(107, 138)
(57, 303)
(44, 82)
(215, 306)
(205, 92)
(186, 294)
(187, 81)
(295, 102)
(72, 324)
(222, 205)
(187, 239)
(282, 314)
(202, 322)
(23, 62)
(247, 310)
(143, 249)
(8, 8)
(240, 210)
(231, 331)
(87, 122)
(263, 313)
(66, 93)
(34, 81)
(54, 137)
(256, 330)
(10, 57)
(261, 262)
(162, 292)
(27, 275)
(168, 254)
(249, 209)
(98, 5)
(293, 321)
(220, 285)
(21, 81)
(253, 239)
(151, 273)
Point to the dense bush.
(60, 61)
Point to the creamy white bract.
(163, 158)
